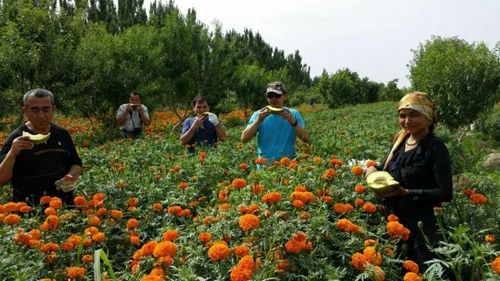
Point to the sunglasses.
(272, 95)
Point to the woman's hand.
(398, 191)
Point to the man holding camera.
(132, 116)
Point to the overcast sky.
(371, 37)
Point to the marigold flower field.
(147, 210)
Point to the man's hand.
(263, 113)
(198, 121)
(21, 143)
(66, 184)
(287, 115)
(213, 118)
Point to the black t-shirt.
(36, 170)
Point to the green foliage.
(489, 123)
(463, 78)
(346, 88)
(391, 92)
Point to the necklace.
(411, 144)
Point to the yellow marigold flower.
(218, 251)
(248, 222)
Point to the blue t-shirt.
(275, 136)
(205, 135)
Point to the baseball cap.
(276, 87)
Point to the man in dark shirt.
(203, 129)
(35, 169)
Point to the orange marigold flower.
(298, 204)
(12, 219)
(490, 238)
(410, 266)
(359, 261)
(25, 209)
(93, 220)
(99, 196)
(239, 183)
(392, 217)
(52, 222)
(240, 274)
(170, 235)
(248, 222)
(369, 207)
(260, 161)
(158, 207)
(50, 211)
(271, 198)
(99, 237)
(468, 191)
(370, 242)
(55, 203)
(133, 202)
(495, 265)
(257, 188)
(87, 258)
(247, 262)
(370, 163)
(412, 276)
(329, 174)
(116, 214)
(47, 247)
(357, 170)
(359, 189)
(241, 250)
(132, 223)
(218, 251)
(135, 240)
(343, 208)
(74, 272)
(317, 160)
(148, 248)
(397, 230)
(359, 202)
(243, 166)
(44, 199)
(478, 199)
(347, 226)
(67, 246)
(205, 237)
(378, 273)
(223, 194)
(372, 256)
(182, 185)
(174, 210)
(294, 247)
(165, 249)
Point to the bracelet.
(295, 124)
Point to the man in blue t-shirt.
(204, 129)
(277, 126)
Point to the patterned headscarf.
(419, 102)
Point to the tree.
(391, 92)
(463, 78)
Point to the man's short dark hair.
(135, 93)
(200, 99)
(39, 93)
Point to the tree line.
(92, 53)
